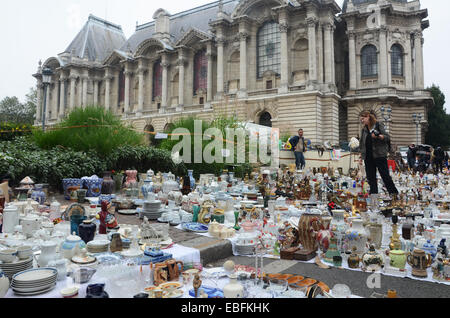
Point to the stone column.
(312, 23)
(62, 99)
(85, 79)
(407, 58)
(181, 63)
(48, 105)
(126, 102)
(243, 63)
(150, 82)
(165, 82)
(96, 91)
(320, 53)
(419, 79)
(284, 84)
(352, 59)
(107, 80)
(383, 57)
(73, 82)
(328, 55)
(220, 66)
(333, 61)
(209, 88)
(40, 88)
(141, 76)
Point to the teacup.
(8, 256)
(25, 252)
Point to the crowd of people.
(421, 158)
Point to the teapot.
(68, 247)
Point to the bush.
(216, 167)
(90, 129)
(10, 130)
(143, 158)
(23, 158)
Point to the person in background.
(299, 147)
(446, 159)
(438, 160)
(411, 157)
(374, 146)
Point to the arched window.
(200, 71)
(169, 127)
(269, 48)
(157, 80)
(369, 61)
(397, 60)
(265, 119)
(149, 129)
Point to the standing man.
(438, 160)
(411, 156)
(299, 147)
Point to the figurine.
(197, 283)
(102, 217)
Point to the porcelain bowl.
(24, 252)
(8, 255)
(70, 292)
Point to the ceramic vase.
(375, 234)
(356, 236)
(108, 183)
(233, 289)
(147, 188)
(87, 231)
(419, 261)
(75, 221)
(338, 227)
(38, 194)
(48, 253)
(4, 284)
(131, 177)
(192, 179)
(309, 224)
(429, 248)
(70, 183)
(94, 186)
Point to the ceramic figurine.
(105, 219)
(332, 251)
(197, 283)
(429, 248)
(372, 260)
(353, 260)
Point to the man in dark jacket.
(438, 160)
(411, 156)
(299, 148)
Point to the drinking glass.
(277, 286)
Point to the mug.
(8, 256)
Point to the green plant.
(143, 158)
(90, 129)
(11, 130)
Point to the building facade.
(283, 63)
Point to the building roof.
(96, 39)
(358, 2)
(196, 18)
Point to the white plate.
(35, 274)
(34, 289)
(128, 212)
(40, 282)
(99, 243)
(36, 293)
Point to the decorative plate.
(128, 212)
(195, 227)
(83, 260)
(169, 285)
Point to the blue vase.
(429, 248)
(75, 221)
(38, 194)
(147, 188)
(71, 182)
(94, 187)
(191, 177)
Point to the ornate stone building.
(285, 63)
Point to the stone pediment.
(116, 57)
(152, 42)
(246, 6)
(193, 36)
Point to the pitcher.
(419, 262)
(48, 253)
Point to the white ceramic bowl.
(24, 252)
(8, 256)
(70, 292)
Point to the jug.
(48, 253)
(10, 218)
(419, 262)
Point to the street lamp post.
(46, 80)
(417, 119)
(386, 113)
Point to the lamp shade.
(47, 75)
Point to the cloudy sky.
(36, 30)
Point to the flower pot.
(38, 194)
(70, 183)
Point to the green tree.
(12, 110)
(439, 121)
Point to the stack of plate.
(10, 269)
(152, 210)
(98, 246)
(34, 281)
